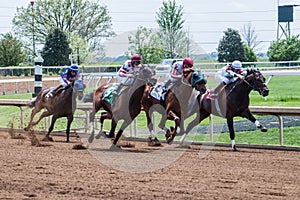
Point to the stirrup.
(214, 95)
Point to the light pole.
(33, 42)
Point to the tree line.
(78, 27)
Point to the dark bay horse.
(126, 107)
(175, 105)
(233, 101)
(63, 104)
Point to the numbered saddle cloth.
(158, 92)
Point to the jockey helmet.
(188, 61)
(74, 67)
(237, 65)
(136, 59)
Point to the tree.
(250, 55)
(87, 19)
(285, 50)
(146, 43)
(249, 36)
(11, 52)
(56, 50)
(231, 47)
(170, 21)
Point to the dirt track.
(56, 171)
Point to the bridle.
(253, 86)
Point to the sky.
(205, 21)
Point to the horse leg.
(54, 118)
(250, 117)
(153, 141)
(123, 126)
(231, 131)
(173, 133)
(199, 117)
(104, 115)
(70, 120)
(95, 109)
(44, 114)
(33, 113)
(113, 128)
(92, 120)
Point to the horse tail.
(31, 104)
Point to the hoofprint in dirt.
(57, 171)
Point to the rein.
(245, 81)
(187, 84)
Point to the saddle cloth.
(108, 94)
(158, 92)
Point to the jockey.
(177, 69)
(69, 74)
(227, 74)
(125, 75)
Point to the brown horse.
(126, 107)
(63, 104)
(175, 104)
(233, 101)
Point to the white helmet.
(236, 64)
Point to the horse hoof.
(154, 142)
(168, 134)
(91, 139)
(170, 140)
(264, 129)
(234, 149)
(98, 136)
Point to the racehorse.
(175, 104)
(127, 106)
(63, 104)
(233, 101)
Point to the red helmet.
(136, 57)
(188, 61)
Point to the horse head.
(146, 73)
(256, 80)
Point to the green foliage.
(231, 47)
(56, 50)
(146, 43)
(170, 21)
(87, 19)
(250, 55)
(11, 53)
(285, 50)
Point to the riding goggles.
(136, 62)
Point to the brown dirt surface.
(57, 171)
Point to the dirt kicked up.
(54, 170)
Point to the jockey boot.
(117, 90)
(217, 90)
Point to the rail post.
(37, 75)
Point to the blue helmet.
(74, 67)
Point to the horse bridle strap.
(182, 81)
